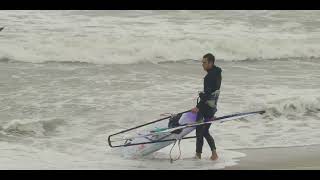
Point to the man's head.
(208, 61)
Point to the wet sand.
(279, 158)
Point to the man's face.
(206, 66)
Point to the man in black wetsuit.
(207, 106)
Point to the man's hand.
(194, 110)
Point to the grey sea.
(68, 79)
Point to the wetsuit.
(212, 83)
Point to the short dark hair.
(210, 57)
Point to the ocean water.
(68, 79)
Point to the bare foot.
(198, 156)
(214, 156)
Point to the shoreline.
(279, 158)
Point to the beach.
(279, 158)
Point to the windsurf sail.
(159, 135)
(222, 119)
(152, 122)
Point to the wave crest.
(31, 127)
(297, 107)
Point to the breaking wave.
(31, 127)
